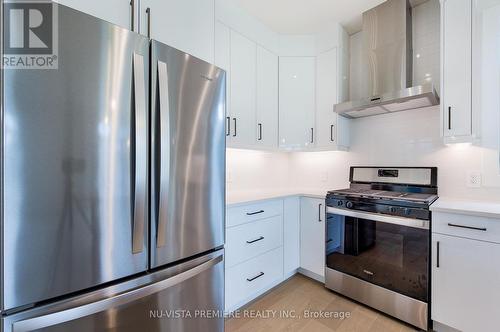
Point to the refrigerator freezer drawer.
(188, 297)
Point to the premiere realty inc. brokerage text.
(254, 314)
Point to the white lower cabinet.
(247, 280)
(465, 273)
(253, 239)
(291, 235)
(312, 236)
(254, 251)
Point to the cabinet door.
(291, 235)
(457, 65)
(243, 90)
(326, 97)
(465, 283)
(267, 98)
(118, 12)
(222, 59)
(187, 25)
(312, 235)
(296, 102)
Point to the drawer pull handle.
(254, 213)
(468, 227)
(437, 254)
(256, 277)
(256, 240)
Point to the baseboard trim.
(311, 275)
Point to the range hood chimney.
(388, 59)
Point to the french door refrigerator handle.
(138, 155)
(148, 14)
(164, 160)
(132, 15)
(59, 317)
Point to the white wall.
(249, 170)
(409, 138)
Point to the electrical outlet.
(473, 179)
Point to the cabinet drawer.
(246, 213)
(248, 280)
(253, 239)
(477, 228)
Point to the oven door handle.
(408, 222)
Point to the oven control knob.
(407, 212)
(339, 203)
(349, 205)
(392, 209)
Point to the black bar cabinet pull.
(148, 12)
(260, 132)
(331, 133)
(468, 227)
(257, 276)
(234, 135)
(254, 213)
(132, 15)
(228, 126)
(256, 240)
(319, 212)
(437, 254)
(312, 135)
(449, 117)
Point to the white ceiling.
(308, 16)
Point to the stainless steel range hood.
(388, 65)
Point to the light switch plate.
(473, 179)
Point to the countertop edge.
(467, 207)
(238, 202)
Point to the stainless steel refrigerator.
(112, 200)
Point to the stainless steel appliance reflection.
(377, 240)
(83, 248)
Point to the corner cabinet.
(297, 84)
(312, 237)
(187, 25)
(456, 82)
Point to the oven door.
(387, 251)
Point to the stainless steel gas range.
(378, 240)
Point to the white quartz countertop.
(241, 197)
(488, 209)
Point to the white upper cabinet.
(187, 25)
(332, 129)
(243, 91)
(222, 59)
(297, 84)
(456, 82)
(267, 99)
(326, 97)
(118, 12)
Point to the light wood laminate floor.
(300, 295)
